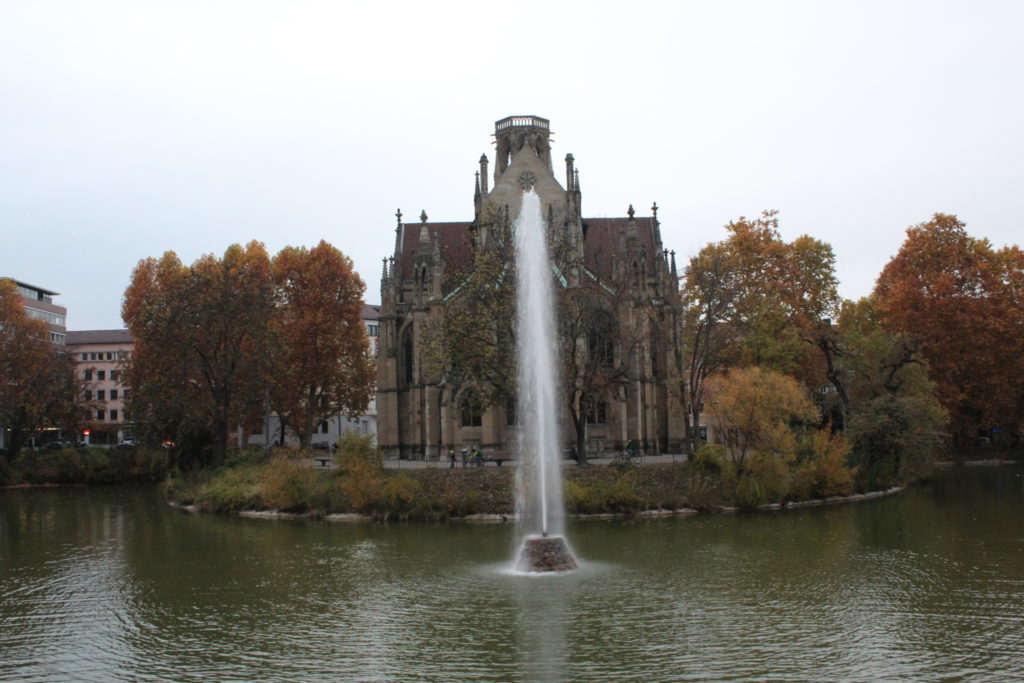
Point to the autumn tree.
(896, 421)
(201, 334)
(752, 410)
(960, 300)
(38, 384)
(322, 365)
(754, 299)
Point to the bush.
(230, 490)
(602, 495)
(711, 458)
(287, 486)
(821, 470)
(765, 480)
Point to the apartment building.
(101, 355)
(39, 304)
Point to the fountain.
(539, 475)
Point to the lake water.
(110, 584)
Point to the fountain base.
(545, 554)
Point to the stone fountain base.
(545, 554)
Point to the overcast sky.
(130, 129)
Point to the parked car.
(57, 445)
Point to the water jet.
(539, 475)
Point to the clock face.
(527, 180)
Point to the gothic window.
(596, 410)
(407, 355)
(469, 412)
(601, 342)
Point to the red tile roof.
(600, 242)
(80, 337)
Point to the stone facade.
(420, 414)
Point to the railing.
(517, 121)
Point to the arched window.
(470, 414)
(596, 410)
(601, 342)
(407, 354)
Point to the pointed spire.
(476, 190)
(654, 210)
(630, 212)
(424, 230)
(384, 273)
(576, 179)
(398, 215)
(569, 172)
(675, 273)
(483, 174)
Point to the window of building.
(88, 394)
(109, 356)
(407, 350)
(101, 374)
(371, 330)
(597, 411)
(85, 356)
(101, 395)
(113, 394)
(87, 375)
(100, 414)
(323, 427)
(469, 412)
(92, 355)
(113, 414)
(601, 341)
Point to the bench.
(497, 459)
(322, 459)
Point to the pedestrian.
(574, 454)
(451, 458)
(465, 457)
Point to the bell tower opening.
(513, 133)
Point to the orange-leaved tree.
(38, 384)
(201, 338)
(960, 300)
(323, 366)
(755, 299)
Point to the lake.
(111, 584)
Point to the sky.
(128, 129)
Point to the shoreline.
(500, 518)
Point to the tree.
(38, 384)
(599, 334)
(754, 299)
(201, 334)
(960, 301)
(323, 366)
(473, 342)
(896, 422)
(752, 411)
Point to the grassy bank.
(89, 465)
(361, 485)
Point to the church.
(619, 394)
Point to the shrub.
(765, 480)
(711, 458)
(821, 470)
(602, 495)
(230, 490)
(286, 485)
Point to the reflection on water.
(101, 584)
